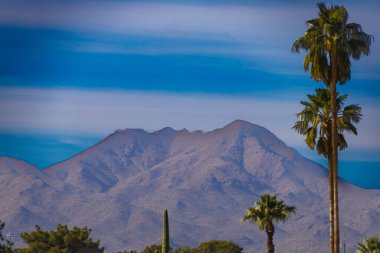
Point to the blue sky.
(72, 72)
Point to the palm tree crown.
(268, 210)
(370, 245)
(315, 121)
(331, 29)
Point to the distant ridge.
(120, 186)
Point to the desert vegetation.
(6, 246)
(214, 246)
(369, 245)
(331, 43)
(60, 240)
(265, 213)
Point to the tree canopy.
(326, 33)
(267, 211)
(61, 240)
(154, 248)
(186, 249)
(315, 121)
(5, 244)
(219, 246)
(369, 245)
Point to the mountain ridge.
(205, 180)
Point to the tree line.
(265, 213)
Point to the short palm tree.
(330, 42)
(369, 245)
(315, 124)
(267, 211)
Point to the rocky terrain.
(206, 180)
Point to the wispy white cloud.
(63, 111)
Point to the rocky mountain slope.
(120, 186)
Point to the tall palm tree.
(369, 245)
(267, 211)
(330, 42)
(315, 124)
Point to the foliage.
(61, 240)
(127, 251)
(315, 121)
(267, 211)
(330, 42)
(186, 249)
(219, 246)
(369, 245)
(5, 244)
(153, 248)
(327, 32)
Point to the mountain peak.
(240, 122)
(242, 126)
(166, 130)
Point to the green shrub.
(61, 240)
(217, 246)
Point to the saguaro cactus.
(165, 233)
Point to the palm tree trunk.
(269, 228)
(331, 210)
(334, 144)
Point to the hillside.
(120, 186)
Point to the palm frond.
(342, 144)
(267, 210)
(315, 120)
(330, 24)
(369, 245)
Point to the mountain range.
(206, 180)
